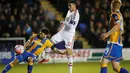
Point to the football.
(19, 49)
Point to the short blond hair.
(116, 3)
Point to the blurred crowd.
(95, 16)
(22, 18)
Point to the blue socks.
(122, 70)
(103, 70)
(30, 67)
(7, 68)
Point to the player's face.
(42, 35)
(71, 6)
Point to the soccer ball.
(19, 49)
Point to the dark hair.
(72, 1)
(44, 30)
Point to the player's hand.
(104, 36)
(43, 61)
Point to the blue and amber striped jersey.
(116, 18)
(38, 45)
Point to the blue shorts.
(113, 52)
(24, 56)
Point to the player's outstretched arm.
(29, 41)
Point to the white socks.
(47, 53)
(70, 64)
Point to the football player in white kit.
(67, 32)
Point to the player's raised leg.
(116, 67)
(30, 64)
(10, 65)
(104, 63)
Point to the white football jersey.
(71, 21)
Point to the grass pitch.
(85, 67)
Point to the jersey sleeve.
(67, 15)
(32, 37)
(66, 18)
(115, 17)
(48, 43)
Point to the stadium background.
(19, 19)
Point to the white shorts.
(67, 37)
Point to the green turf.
(87, 67)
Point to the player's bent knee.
(14, 62)
(30, 59)
(101, 62)
(69, 52)
(104, 61)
